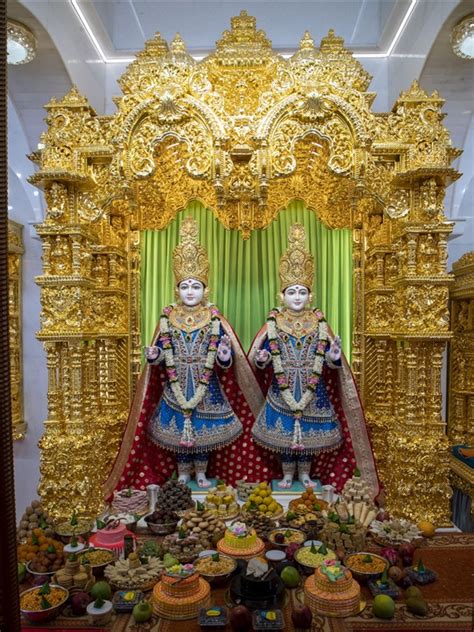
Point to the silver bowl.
(364, 576)
(42, 616)
(164, 528)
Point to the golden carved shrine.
(245, 131)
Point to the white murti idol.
(305, 418)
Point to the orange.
(427, 528)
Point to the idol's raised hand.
(224, 350)
(335, 350)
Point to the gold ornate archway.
(245, 131)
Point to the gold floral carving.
(15, 252)
(245, 132)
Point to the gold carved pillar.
(461, 361)
(407, 312)
(85, 309)
(15, 252)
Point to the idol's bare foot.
(306, 481)
(201, 480)
(286, 482)
(184, 478)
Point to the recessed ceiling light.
(21, 43)
(462, 37)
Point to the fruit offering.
(185, 548)
(222, 499)
(204, 524)
(174, 496)
(262, 501)
(34, 517)
(383, 607)
(307, 502)
(36, 543)
(127, 574)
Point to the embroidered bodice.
(190, 352)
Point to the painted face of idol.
(191, 292)
(296, 297)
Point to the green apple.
(142, 611)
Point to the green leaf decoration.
(34, 539)
(100, 523)
(128, 493)
(367, 559)
(74, 541)
(98, 603)
(42, 522)
(51, 549)
(357, 472)
(384, 578)
(215, 557)
(44, 603)
(181, 533)
(290, 515)
(316, 507)
(322, 549)
(174, 476)
(221, 481)
(85, 560)
(200, 506)
(287, 533)
(343, 529)
(45, 589)
(313, 549)
(73, 520)
(72, 557)
(421, 567)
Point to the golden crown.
(297, 263)
(189, 258)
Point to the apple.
(142, 612)
(302, 617)
(240, 619)
(79, 603)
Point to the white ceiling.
(365, 24)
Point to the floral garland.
(297, 407)
(188, 405)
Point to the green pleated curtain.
(244, 280)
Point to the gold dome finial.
(190, 259)
(306, 42)
(297, 263)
